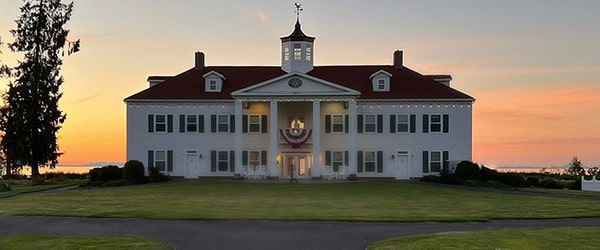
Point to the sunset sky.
(533, 66)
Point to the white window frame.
(212, 85)
(158, 161)
(160, 124)
(253, 162)
(432, 124)
(223, 161)
(367, 161)
(219, 123)
(381, 84)
(337, 159)
(257, 123)
(374, 123)
(286, 52)
(188, 123)
(399, 124)
(308, 52)
(433, 162)
(342, 123)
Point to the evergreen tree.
(31, 118)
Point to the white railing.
(590, 185)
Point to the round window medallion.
(295, 83)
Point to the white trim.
(381, 71)
(213, 73)
(244, 92)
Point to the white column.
(238, 134)
(316, 139)
(352, 136)
(273, 167)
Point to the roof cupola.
(297, 52)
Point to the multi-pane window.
(402, 123)
(253, 158)
(223, 161)
(435, 123)
(160, 160)
(254, 123)
(212, 85)
(435, 161)
(191, 124)
(160, 123)
(297, 51)
(370, 161)
(381, 84)
(370, 123)
(308, 52)
(337, 124)
(337, 160)
(223, 123)
(286, 53)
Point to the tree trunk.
(35, 171)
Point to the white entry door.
(401, 163)
(192, 168)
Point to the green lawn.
(351, 201)
(76, 243)
(23, 186)
(547, 238)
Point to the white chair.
(244, 172)
(327, 173)
(262, 172)
(251, 172)
(342, 172)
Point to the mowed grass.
(23, 186)
(351, 201)
(547, 238)
(76, 243)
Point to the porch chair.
(342, 173)
(327, 173)
(244, 172)
(262, 172)
(250, 172)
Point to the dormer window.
(381, 81)
(213, 81)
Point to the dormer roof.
(381, 71)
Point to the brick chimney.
(199, 60)
(398, 59)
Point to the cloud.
(84, 99)
(262, 16)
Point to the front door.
(191, 163)
(401, 163)
(296, 165)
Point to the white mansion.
(374, 121)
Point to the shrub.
(467, 170)
(431, 178)
(133, 171)
(575, 185)
(533, 181)
(449, 178)
(488, 174)
(156, 175)
(550, 183)
(4, 187)
(512, 179)
(104, 174)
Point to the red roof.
(405, 83)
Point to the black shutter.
(359, 161)
(346, 158)
(170, 123)
(213, 123)
(263, 124)
(263, 157)
(359, 128)
(327, 123)
(379, 161)
(244, 158)
(346, 119)
(231, 161)
(425, 123)
(213, 161)
(150, 123)
(379, 124)
(244, 123)
(231, 123)
(425, 162)
(413, 125)
(392, 124)
(181, 123)
(200, 123)
(445, 122)
(327, 158)
(169, 160)
(150, 158)
(445, 161)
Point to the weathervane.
(298, 9)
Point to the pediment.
(296, 84)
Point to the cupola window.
(286, 53)
(308, 52)
(297, 51)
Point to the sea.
(73, 169)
